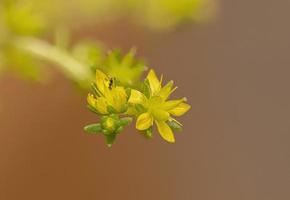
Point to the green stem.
(71, 67)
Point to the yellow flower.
(107, 95)
(156, 108)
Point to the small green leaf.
(93, 128)
(119, 130)
(125, 121)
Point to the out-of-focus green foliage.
(80, 63)
(165, 14)
(32, 15)
(126, 68)
(21, 17)
(22, 63)
(42, 18)
(2, 64)
(91, 53)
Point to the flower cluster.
(119, 105)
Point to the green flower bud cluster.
(110, 126)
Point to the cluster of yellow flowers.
(119, 105)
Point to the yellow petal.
(181, 109)
(136, 97)
(166, 90)
(121, 92)
(101, 105)
(119, 98)
(91, 100)
(169, 105)
(154, 83)
(165, 131)
(131, 111)
(101, 81)
(160, 115)
(156, 102)
(144, 121)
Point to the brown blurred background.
(235, 144)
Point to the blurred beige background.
(235, 144)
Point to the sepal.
(93, 128)
(174, 126)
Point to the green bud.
(104, 118)
(114, 116)
(106, 132)
(109, 124)
(148, 133)
(93, 128)
(125, 121)
(119, 130)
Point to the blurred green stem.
(71, 67)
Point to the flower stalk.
(70, 66)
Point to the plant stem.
(71, 67)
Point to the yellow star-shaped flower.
(157, 108)
(107, 96)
